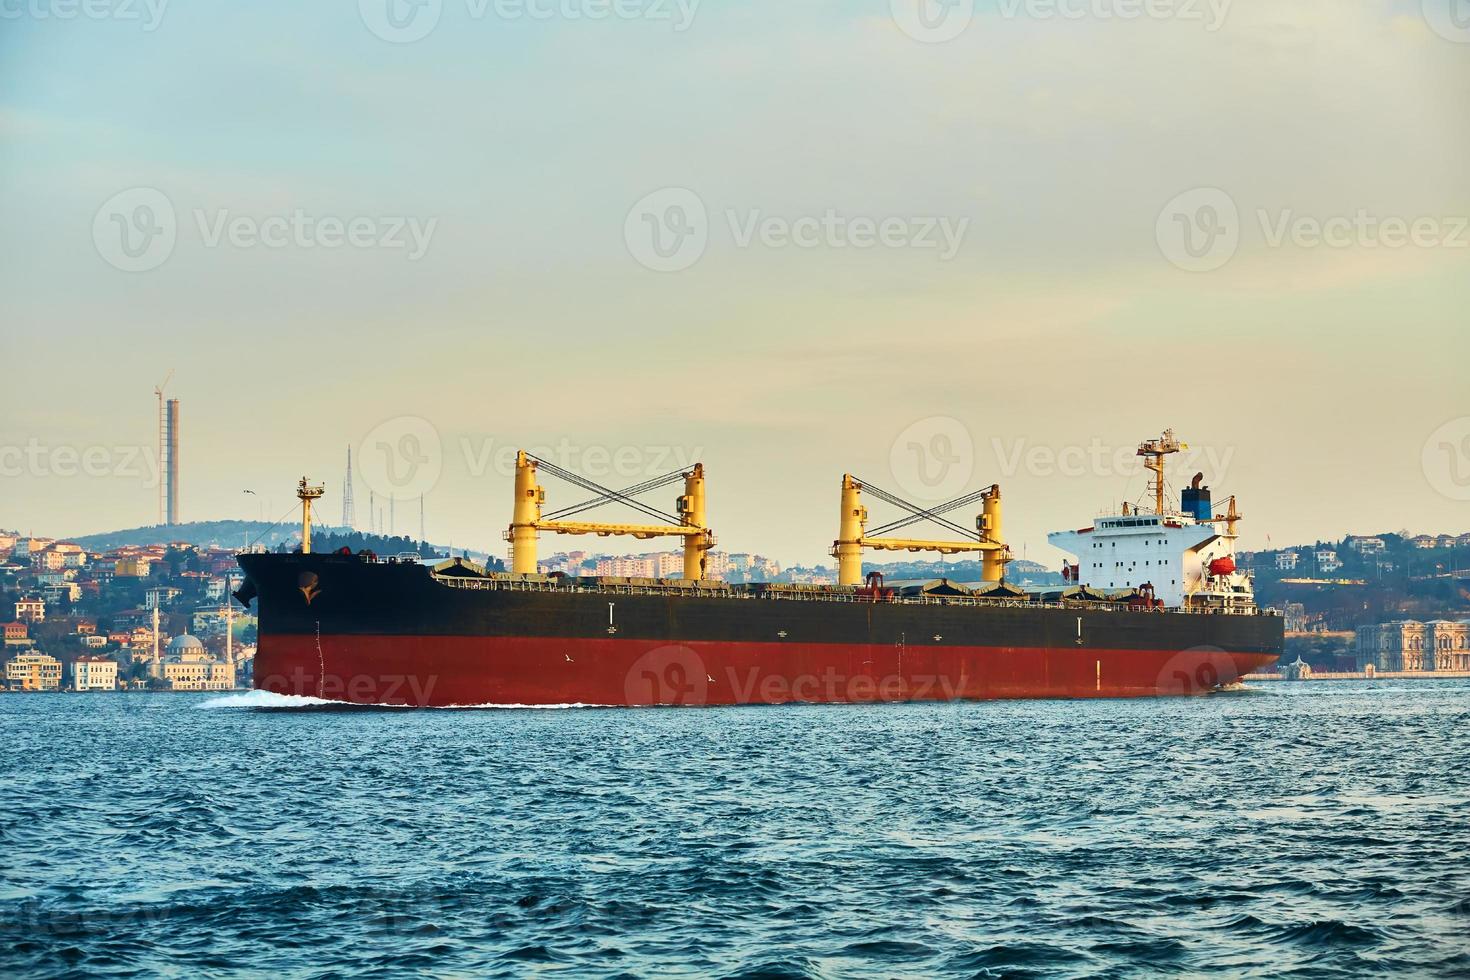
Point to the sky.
(935, 245)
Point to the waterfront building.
(1412, 645)
(1297, 670)
(188, 666)
(33, 672)
(90, 673)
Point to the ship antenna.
(1153, 451)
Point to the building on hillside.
(1286, 561)
(1367, 546)
(1412, 645)
(94, 642)
(25, 547)
(1422, 541)
(212, 620)
(60, 592)
(17, 635)
(89, 673)
(133, 566)
(33, 672)
(1327, 562)
(31, 610)
(160, 597)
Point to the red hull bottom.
(445, 671)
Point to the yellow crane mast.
(527, 523)
(852, 536)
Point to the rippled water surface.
(1318, 829)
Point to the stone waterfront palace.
(1412, 645)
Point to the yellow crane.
(527, 521)
(853, 537)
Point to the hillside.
(237, 535)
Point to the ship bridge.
(1186, 555)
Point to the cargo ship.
(1153, 606)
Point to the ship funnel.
(1195, 500)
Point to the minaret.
(155, 669)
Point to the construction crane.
(1153, 452)
(527, 521)
(853, 536)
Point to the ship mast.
(306, 493)
(1153, 452)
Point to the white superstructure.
(1186, 556)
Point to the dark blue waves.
(1312, 830)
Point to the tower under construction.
(168, 455)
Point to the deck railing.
(783, 595)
